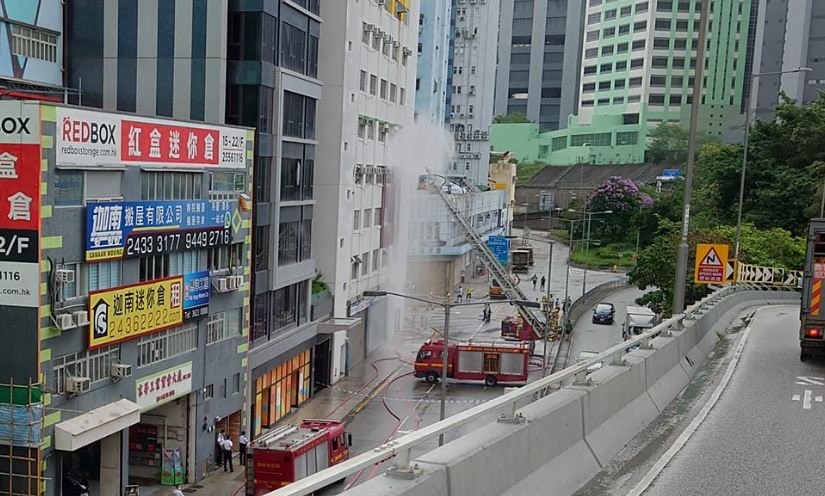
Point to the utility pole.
(445, 365)
(547, 308)
(589, 216)
(682, 254)
(569, 256)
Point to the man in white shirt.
(227, 454)
(242, 443)
(177, 491)
(219, 457)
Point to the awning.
(87, 428)
(337, 324)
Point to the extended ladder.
(511, 291)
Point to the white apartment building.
(473, 86)
(368, 49)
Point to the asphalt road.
(765, 435)
(588, 336)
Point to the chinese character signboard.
(134, 229)
(86, 137)
(499, 245)
(163, 387)
(711, 264)
(19, 204)
(196, 294)
(130, 311)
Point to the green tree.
(624, 199)
(513, 118)
(669, 143)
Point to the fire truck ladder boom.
(511, 291)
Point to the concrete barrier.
(572, 433)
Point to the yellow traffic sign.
(711, 264)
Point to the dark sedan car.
(604, 313)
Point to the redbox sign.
(96, 138)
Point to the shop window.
(169, 344)
(95, 364)
(282, 388)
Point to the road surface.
(765, 435)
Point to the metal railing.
(401, 449)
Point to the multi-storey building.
(31, 50)
(434, 32)
(369, 74)
(539, 55)
(473, 87)
(128, 280)
(787, 35)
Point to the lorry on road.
(521, 260)
(289, 453)
(812, 315)
(492, 363)
(637, 321)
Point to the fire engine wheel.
(490, 381)
(431, 377)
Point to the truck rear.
(812, 315)
(637, 321)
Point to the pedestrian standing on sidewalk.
(535, 280)
(177, 491)
(543, 280)
(227, 454)
(469, 293)
(242, 442)
(219, 457)
(460, 294)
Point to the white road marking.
(805, 380)
(796, 397)
(680, 442)
(806, 400)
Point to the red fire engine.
(290, 453)
(517, 329)
(492, 363)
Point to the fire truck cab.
(290, 453)
(492, 363)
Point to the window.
(158, 347)
(373, 84)
(641, 7)
(662, 24)
(607, 50)
(293, 47)
(588, 87)
(223, 325)
(590, 69)
(367, 217)
(68, 188)
(221, 259)
(618, 84)
(170, 185)
(72, 290)
(592, 35)
(621, 65)
(362, 84)
(675, 99)
(377, 213)
(597, 139)
(261, 246)
(639, 26)
(657, 81)
(299, 116)
(636, 63)
(618, 100)
(635, 82)
(634, 98)
(559, 143)
(103, 275)
(375, 260)
(236, 383)
(354, 270)
(638, 45)
(663, 43)
(95, 364)
(659, 62)
(288, 243)
(290, 182)
(154, 267)
(356, 220)
(591, 53)
(289, 305)
(593, 18)
(393, 92)
(605, 68)
(621, 47)
(365, 263)
(656, 99)
(626, 11)
(608, 32)
(609, 14)
(627, 138)
(604, 85)
(365, 35)
(403, 98)
(384, 87)
(34, 43)
(664, 6)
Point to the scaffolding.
(21, 434)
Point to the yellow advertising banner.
(130, 311)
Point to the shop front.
(281, 389)
(91, 448)
(159, 444)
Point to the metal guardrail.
(401, 449)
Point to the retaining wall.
(572, 433)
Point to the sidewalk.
(341, 401)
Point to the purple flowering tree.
(625, 200)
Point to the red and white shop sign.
(19, 166)
(98, 138)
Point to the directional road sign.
(711, 264)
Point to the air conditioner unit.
(65, 321)
(396, 43)
(77, 385)
(231, 282)
(221, 284)
(381, 2)
(64, 275)
(238, 281)
(81, 318)
(121, 370)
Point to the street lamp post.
(547, 311)
(754, 78)
(682, 251)
(588, 216)
(447, 304)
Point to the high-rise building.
(539, 56)
(473, 87)
(433, 62)
(369, 72)
(788, 35)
